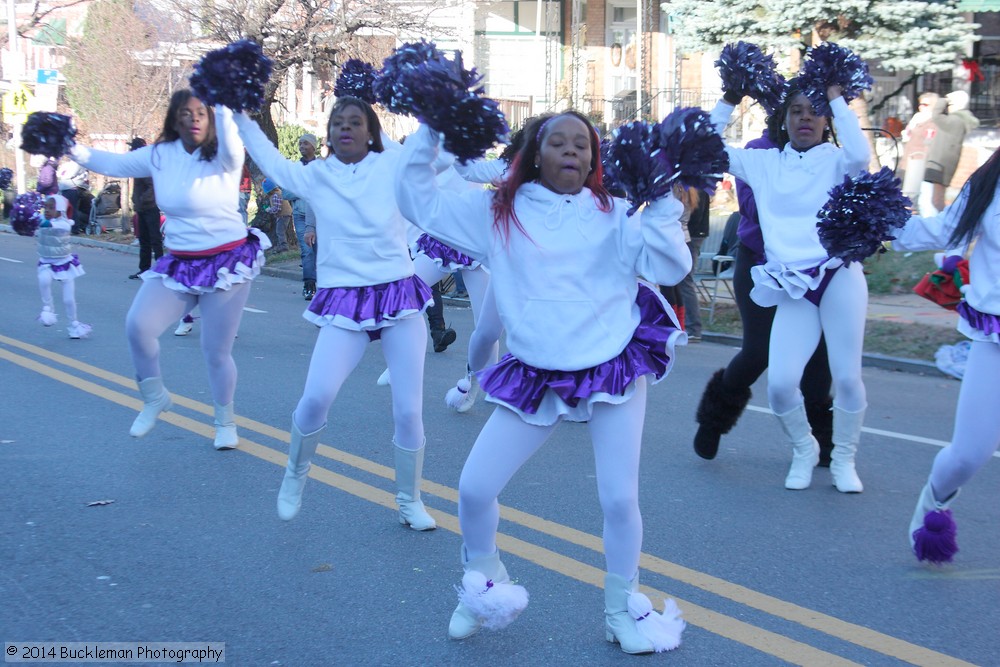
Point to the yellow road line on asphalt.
(774, 644)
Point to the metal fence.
(608, 114)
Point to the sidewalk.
(910, 308)
(905, 308)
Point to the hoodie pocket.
(549, 330)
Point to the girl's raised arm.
(462, 220)
(286, 173)
(230, 151)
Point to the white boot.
(805, 449)
(409, 469)
(486, 597)
(300, 453)
(846, 435)
(225, 427)
(155, 400)
(385, 379)
(631, 621)
(932, 530)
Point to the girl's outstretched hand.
(833, 92)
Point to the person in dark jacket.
(148, 214)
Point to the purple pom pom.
(448, 98)
(355, 79)
(861, 214)
(607, 177)
(49, 134)
(936, 540)
(692, 149)
(26, 213)
(746, 70)
(386, 87)
(631, 164)
(233, 76)
(831, 65)
(6, 176)
(683, 148)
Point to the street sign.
(17, 103)
(46, 76)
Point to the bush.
(897, 272)
(288, 140)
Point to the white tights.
(157, 307)
(45, 281)
(338, 352)
(977, 423)
(484, 343)
(506, 443)
(796, 332)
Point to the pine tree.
(921, 36)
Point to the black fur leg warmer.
(720, 407)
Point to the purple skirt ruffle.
(650, 352)
(449, 258)
(65, 270)
(982, 322)
(369, 308)
(202, 275)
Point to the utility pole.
(638, 59)
(13, 73)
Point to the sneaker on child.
(79, 330)
(48, 316)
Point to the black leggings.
(751, 361)
(150, 237)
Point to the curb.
(872, 360)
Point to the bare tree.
(112, 83)
(318, 33)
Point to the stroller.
(107, 206)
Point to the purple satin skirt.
(67, 269)
(543, 396)
(445, 256)
(369, 308)
(203, 275)
(982, 322)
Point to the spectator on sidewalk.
(945, 151)
(695, 221)
(148, 215)
(246, 190)
(917, 139)
(307, 253)
(48, 182)
(281, 210)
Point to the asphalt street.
(188, 546)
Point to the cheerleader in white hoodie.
(972, 218)
(814, 293)
(366, 291)
(484, 342)
(583, 337)
(196, 164)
